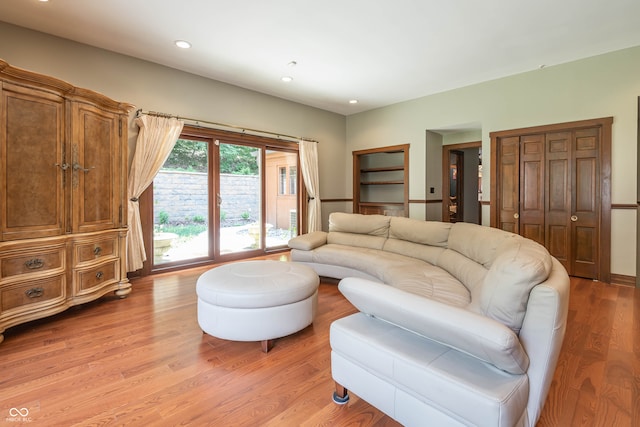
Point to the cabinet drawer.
(95, 250)
(32, 293)
(31, 262)
(97, 277)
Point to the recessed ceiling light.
(286, 79)
(353, 101)
(183, 44)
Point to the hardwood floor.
(143, 360)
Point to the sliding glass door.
(281, 192)
(181, 204)
(222, 196)
(239, 198)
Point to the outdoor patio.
(232, 239)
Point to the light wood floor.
(143, 361)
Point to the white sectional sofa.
(458, 324)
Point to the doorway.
(462, 182)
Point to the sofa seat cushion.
(409, 274)
(371, 261)
(455, 383)
(428, 281)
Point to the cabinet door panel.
(96, 169)
(31, 144)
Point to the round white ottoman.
(257, 300)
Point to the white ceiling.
(377, 51)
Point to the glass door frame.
(211, 135)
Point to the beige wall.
(602, 86)
(156, 88)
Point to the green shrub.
(163, 217)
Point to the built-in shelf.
(380, 181)
(383, 169)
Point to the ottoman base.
(256, 324)
(257, 300)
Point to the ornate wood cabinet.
(63, 154)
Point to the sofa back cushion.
(363, 231)
(356, 240)
(422, 252)
(520, 265)
(374, 225)
(467, 271)
(432, 233)
(477, 242)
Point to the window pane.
(281, 205)
(181, 204)
(240, 197)
(283, 181)
(293, 179)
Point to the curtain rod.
(197, 121)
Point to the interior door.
(461, 182)
(532, 194)
(564, 169)
(456, 186)
(585, 201)
(558, 196)
(508, 176)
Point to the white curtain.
(155, 141)
(309, 166)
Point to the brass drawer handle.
(34, 264)
(99, 275)
(97, 250)
(34, 292)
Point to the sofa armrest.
(454, 327)
(309, 241)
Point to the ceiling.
(378, 52)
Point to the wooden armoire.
(63, 169)
(552, 184)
